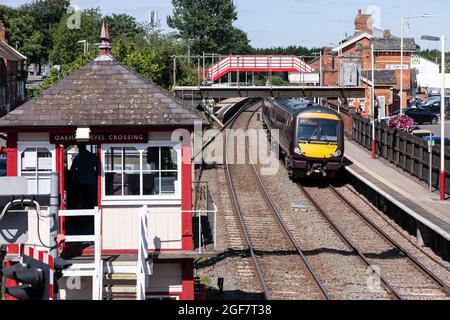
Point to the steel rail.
(247, 104)
(290, 236)
(396, 228)
(386, 283)
(427, 272)
(232, 190)
(281, 223)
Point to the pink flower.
(402, 123)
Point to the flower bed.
(402, 123)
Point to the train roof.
(296, 106)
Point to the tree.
(294, 50)
(435, 56)
(30, 26)
(123, 25)
(150, 54)
(65, 41)
(22, 34)
(209, 24)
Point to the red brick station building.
(133, 130)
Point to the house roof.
(349, 41)
(9, 53)
(382, 77)
(380, 44)
(103, 93)
(394, 44)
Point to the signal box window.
(122, 172)
(142, 171)
(36, 165)
(160, 170)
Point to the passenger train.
(311, 136)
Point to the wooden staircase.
(120, 280)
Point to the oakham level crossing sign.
(98, 138)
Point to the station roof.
(382, 77)
(103, 93)
(394, 44)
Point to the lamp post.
(85, 46)
(426, 15)
(442, 167)
(374, 145)
(372, 97)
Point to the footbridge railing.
(257, 63)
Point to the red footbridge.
(257, 63)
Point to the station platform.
(403, 190)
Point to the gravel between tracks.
(343, 273)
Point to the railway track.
(281, 267)
(401, 273)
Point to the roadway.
(436, 128)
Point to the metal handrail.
(143, 270)
(97, 277)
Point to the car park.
(437, 141)
(420, 115)
(423, 133)
(434, 104)
(415, 102)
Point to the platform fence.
(408, 152)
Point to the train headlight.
(338, 153)
(298, 151)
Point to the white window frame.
(143, 199)
(23, 145)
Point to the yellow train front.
(311, 136)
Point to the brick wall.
(363, 22)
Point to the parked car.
(434, 93)
(417, 102)
(437, 141)
(434, 104)
(423, 133)
(419, 115)
(2, 166)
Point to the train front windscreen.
(318, 130)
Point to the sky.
(310, 23)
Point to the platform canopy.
(103, 93)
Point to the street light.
(426, 15)
(442, 171)
(372, 98)
(85, 46)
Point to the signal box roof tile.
(102, 93)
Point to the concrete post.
(419, 237)
(54, 208)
